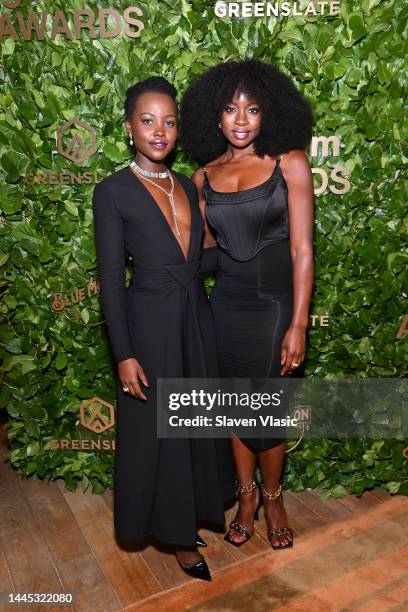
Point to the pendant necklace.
(170, 194)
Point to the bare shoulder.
(198, 175)
(295, 161)
(217, 163)
(198, 178)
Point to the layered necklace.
(159, 175)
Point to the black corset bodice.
(246, 221)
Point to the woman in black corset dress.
(249, 127)
(160, 326)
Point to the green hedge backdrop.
(351, 67)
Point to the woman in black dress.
(160, 326)
(250, 125)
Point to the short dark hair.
(152, 84)
(286, 114)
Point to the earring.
(219, 125)
(130, 138)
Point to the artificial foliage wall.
(64, 77)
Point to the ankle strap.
(246, 488)
(273, 495)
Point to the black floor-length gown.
(253, 296)
(162, 487)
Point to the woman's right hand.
(130, 371)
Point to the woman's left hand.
(293, 349)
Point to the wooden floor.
(55, 541)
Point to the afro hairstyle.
(156, 84)
(286, 114)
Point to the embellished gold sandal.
(278, 531)
(237, 527)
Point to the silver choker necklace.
(169, 194)
(147, 173)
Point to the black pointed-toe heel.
(198, 570)
(200, 541)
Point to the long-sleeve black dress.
(253, 296)
(162, 487)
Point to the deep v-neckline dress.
(253, 296)
(162, 487)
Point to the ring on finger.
(125, 389)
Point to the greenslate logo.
(93, 415)
(80, 144)
(243, 10)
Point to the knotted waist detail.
(179, 287)
(166, 277)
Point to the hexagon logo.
(76, 140)
(97, 415)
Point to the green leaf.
(70, 483)
(113, 153)
(71, 208)
(61, 361)
(356, 25)
(24, 231)
(4, 257)
(15, 164)
(393, 487)
(38, 98)
(97, 488)
(8, 46)
(294, 35)
(384, 75)
(32, 449)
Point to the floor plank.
(330, 509)
(129, 575)
(378, 494)
(6, 583)
(55, 520)
(31, 566)
(58, 541)
(358, 503)
(74, 559)
(164, 566)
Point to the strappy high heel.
(278, 531)
(237, 527)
